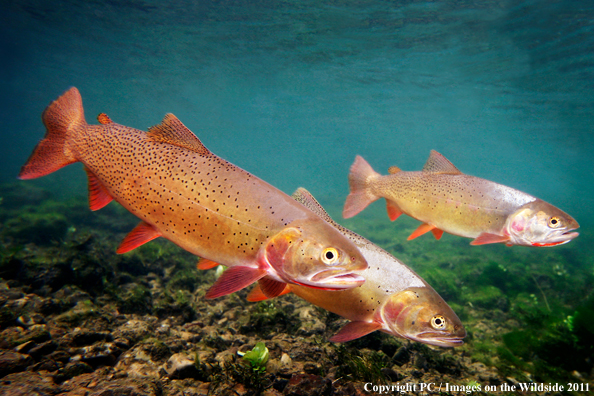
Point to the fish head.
(316, 255)
(420, 314)
(539, 223)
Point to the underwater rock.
(180, 366)
(308, 385)
(29, 383)
(12, 362)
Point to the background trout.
(393, 299)
(445, 199)
(204, 204)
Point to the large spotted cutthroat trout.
(393, 299)
(445, 199)
(204, 204)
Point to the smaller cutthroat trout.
(183, 192)
(445, 199)
(393, 299)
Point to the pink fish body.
(393, 299)
(445, 199)
(204, 204)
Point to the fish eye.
(438, 322)
(554, 222)
(329, 256)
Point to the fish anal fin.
(172, 131)
(437, 233)
(394, 169)
(354, 330)
(104, 119)
(271, 288)
(98, 194)
(234, 279)
(206, 264)
(393, 210)
(140, 235)
(422, 229)
(437, 163)
(486, 238)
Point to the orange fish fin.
(256, 294)
(359, 197)
(98, 194)
(140, 235)
(172, 131)
(355, 330)
(437, 163)
(393, 210)
(423, 228)
(437, 233)
(234, 279)
(104, 119)
(61, 118)
(206, 264)
(271, 288)
(486, 238)
(394, 169)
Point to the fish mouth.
(558, 239)
(333, 280)
(441, 340)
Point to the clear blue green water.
(292, 90)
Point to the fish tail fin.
(61, 118)
(360, 195)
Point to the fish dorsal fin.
(393, 169)
(172, 131)
(437, 163)
(304, 197)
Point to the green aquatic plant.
(357, 366)
(257, 357)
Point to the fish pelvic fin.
(257, 294)
(485, 238)
(354, 330)
(206, 264)
(234, 279)
(360, 195)
(98, 194)
(61, 118)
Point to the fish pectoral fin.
(355, 330)
(256, 294)
(140, 235)
(486, 238)
(98, 194)
(393, 210)
(234, 279)
(206, 264)
(172, 131)
(422, 229)
(271, 288)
